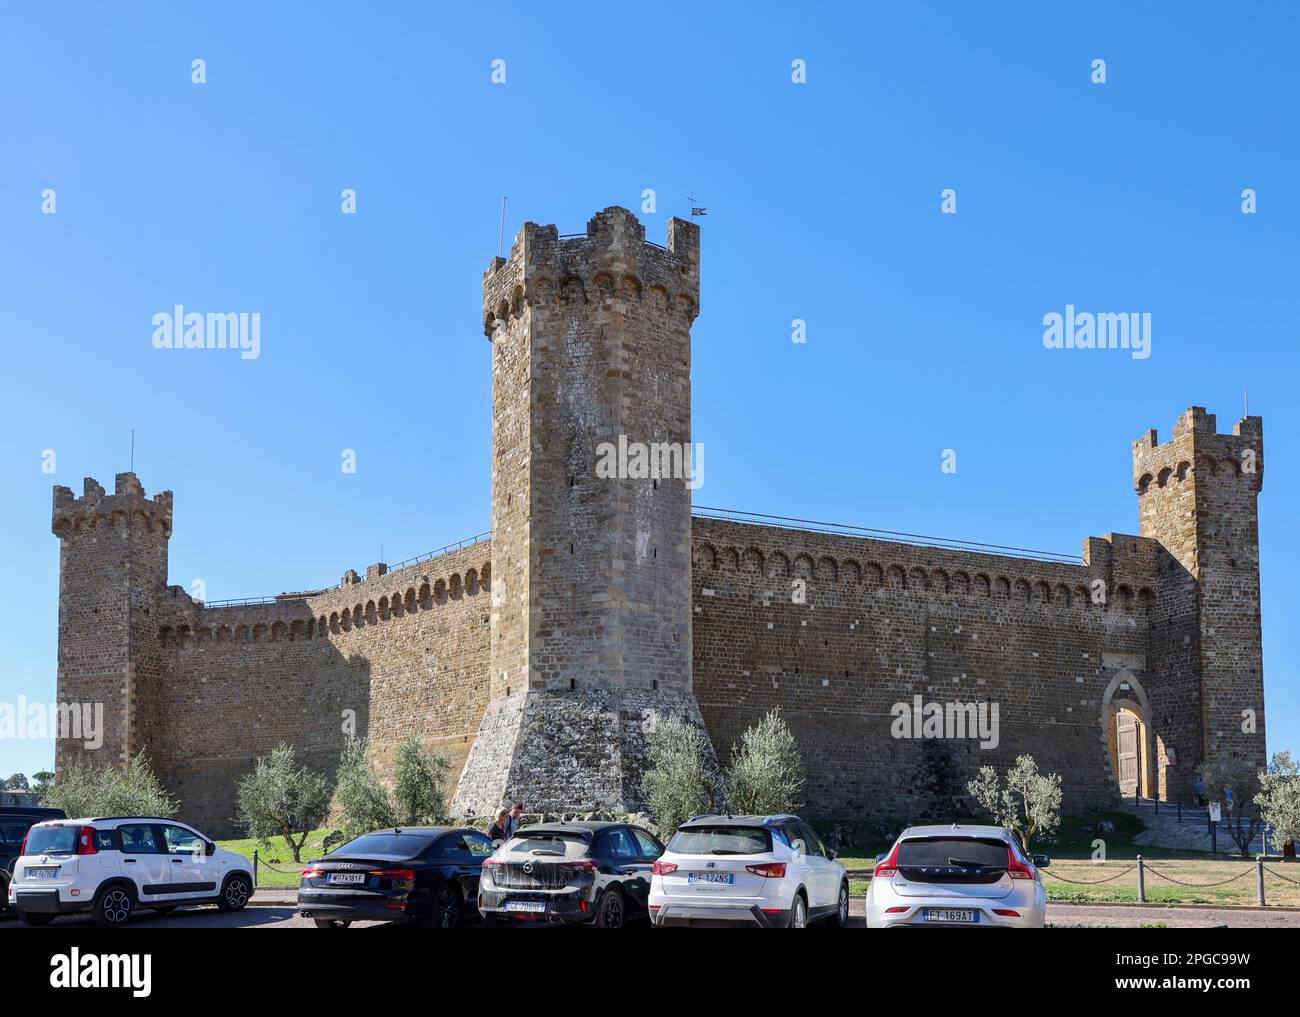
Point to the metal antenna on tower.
(696, 209)
(1245, 394)
(133, 450)
(501, 241)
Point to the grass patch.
(276, 853)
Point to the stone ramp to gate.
(1165, 830)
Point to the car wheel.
(331, 923)
(799, 912)
(112, 907)
(611, 910)
(446, 909)
(841, 917)
(235, 894)
(37, 918)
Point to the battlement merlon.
(127, 501)
(1196, 437)
(612, 261)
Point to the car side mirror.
(211, 849)
(496, 844)
(797, 847)
(1042, 861)
(830, 854)
(881, 857)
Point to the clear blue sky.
(924, 330)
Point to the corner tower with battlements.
(591, 599)
(1197, 496)
(112, 568)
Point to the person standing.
(497, 831)
(512, 820)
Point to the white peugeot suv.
(957, 876)
(756, 871)
(112, 866)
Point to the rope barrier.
(267, 865)
(1197, 886)
(1090, 882)
(1279, 875)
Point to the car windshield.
(386, 845)
(542, 844)
(51, 840)
(721, 840)
(12, 831)
(954, 851)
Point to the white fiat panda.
(112, 866)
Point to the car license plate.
(710, 877)
(948, 915)
(47, 872)
(349, 878)
(531, 906)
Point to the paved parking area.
(277, 912)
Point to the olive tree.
(420, 785)
(680, 781)
(765, 774)
(281, 798)
(1028, 802)
(361, 801)
(1229, 782)
(100, 789)
(1279, 797)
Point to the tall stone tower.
(591, 593)
(1197, 496)
(112, 566)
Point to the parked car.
(755, 871)
(15, 821)
(114, 865)
(570, 872)
(962, 876)
(428, 875)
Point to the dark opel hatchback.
(427, 875)
(570, 872)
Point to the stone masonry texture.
(538, 659)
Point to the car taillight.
(1006, 912)
(768, 870)
(400, 875)
(583, 865)
(310, 873)
(493, 863)
(86, 841)
(897, 910)
(662, 868)
(1017, 869)
(888, 867)
(23, 850)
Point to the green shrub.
(765, 775)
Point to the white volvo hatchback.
(957, 876)
(755, 871)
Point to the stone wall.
(882, 622)
(399, 654)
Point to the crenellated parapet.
(1117, 576)
(1197, 447)
(459, 578)
(127, 504)
(612, 264)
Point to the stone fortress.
(538, 658)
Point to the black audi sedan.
(570, 872)
(427, 875)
